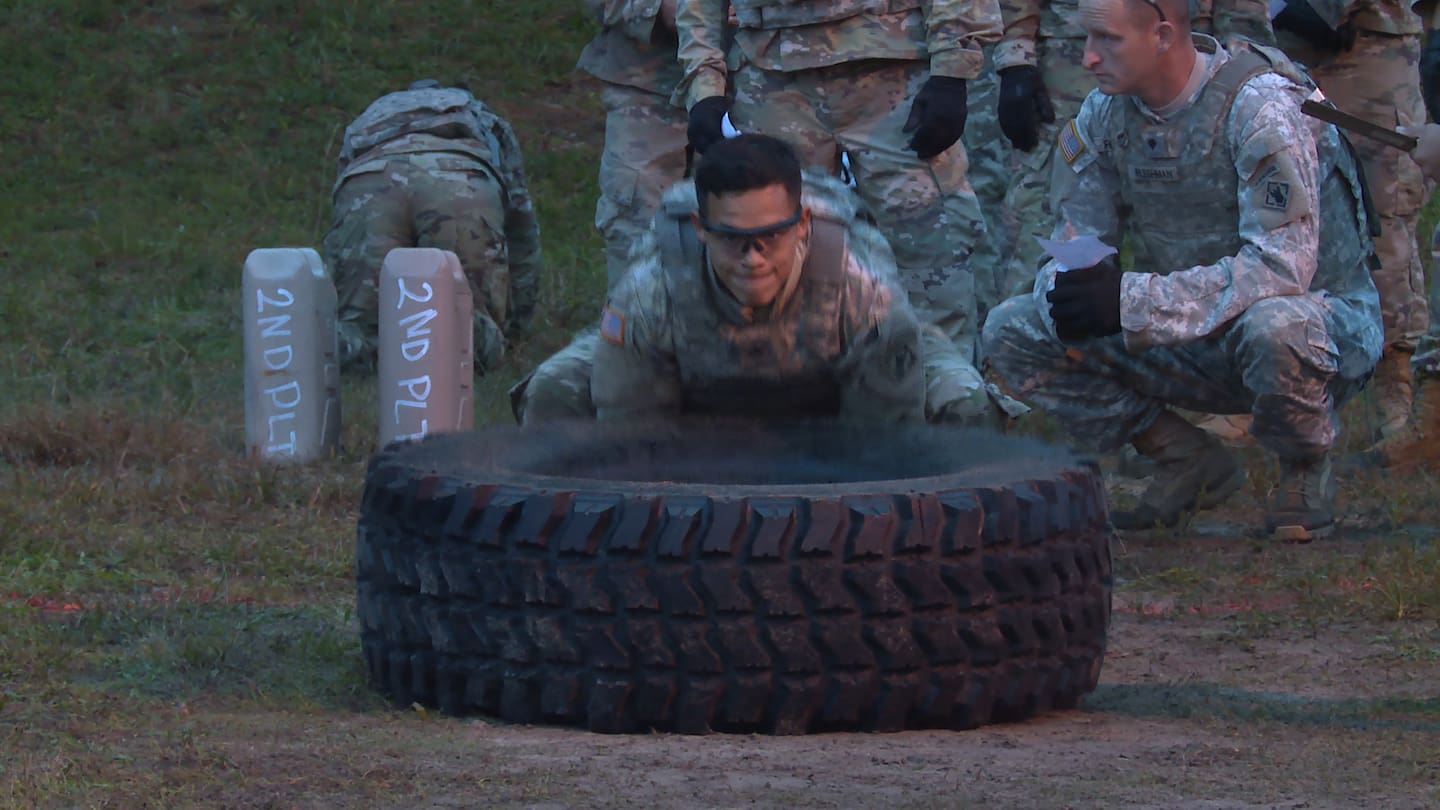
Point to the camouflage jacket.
(789, 35)
(1394, 17)
(1236, 197)
(428, 121)
(843, 343)
(1028, 21)
(634, 47)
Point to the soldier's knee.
(1275, 331)
(1011, 321)
(559, 388)
(547, 397)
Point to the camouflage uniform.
(634, 55)
(1378, 79)
(433, 167)
(1048, 34)
(1233, 18)
(1255, 302)
(845, 342)
(1426, 363)
(991, 161)
(832, 74)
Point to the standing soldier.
(886, 82)
(634, 55)
(1042, 84)
(432, 166)
(1418, 443)
(1364, 55)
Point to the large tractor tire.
(698, 578)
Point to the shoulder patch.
(1072, 146)
(1277, 196)
(612, 326)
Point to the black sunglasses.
(743, 240)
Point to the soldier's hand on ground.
(1024, 106)
(1086, 302)
(1430, 73)
(937, 116)
(1427, 150)
(705, 122)
(1300, 18)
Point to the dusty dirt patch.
(1185, 718)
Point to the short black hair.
(745, 163)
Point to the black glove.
(1024, 106)
(705, 117)
(1086, 302)
(937, 116)
(1430, 73)
(1300, 18)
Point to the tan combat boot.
(1393, 390)
(1418, 444)
(1195, 472)
(1302, 505)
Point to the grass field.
(176, 621)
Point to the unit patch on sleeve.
(1277, 194)
(612, 325)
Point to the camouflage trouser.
(1227, 18)
(559, 388)
(1275, 361)
(926, 209)
(644, 155)
(424, 200)
(990, 157)
(1379, 81)
(1028, 197)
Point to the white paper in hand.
(1082, 251)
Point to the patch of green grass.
(182, 646)
(1201, 699)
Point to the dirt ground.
(1211, 697)
(1185, 717)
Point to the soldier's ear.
(695, 223)
(1166, 33)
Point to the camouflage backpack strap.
(825, 261)
(1274, 58)
(1244, 63)
(1277, 61)
(674, 234)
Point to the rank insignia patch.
(1071, 144)
(612, 326)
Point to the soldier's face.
(752, 239)
(1121, 43)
